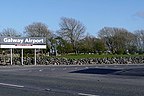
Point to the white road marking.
(40, 70)
(11, 85)
(86, 67)
(64, 68)
(83, 94)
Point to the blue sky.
(94, 14)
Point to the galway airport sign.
(23, 42)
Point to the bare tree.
(117, 39)
(107, 34)
(71, 30)
(10, 32)
(140, 39)
(37, 29)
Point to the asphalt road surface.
(95, 80)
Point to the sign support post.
(22, 57)
(11, 56)
(35, 56)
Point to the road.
(95, 80)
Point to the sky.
(94, 14)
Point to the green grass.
(80, 56)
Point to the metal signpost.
(23, 43)
(22, 57)
(11, 56)
(35, 56)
